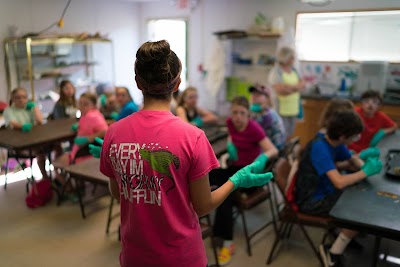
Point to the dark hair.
(63, 98)
(372, 94)
(241, 101)
(91, 97)
(157, 69)
(336, 104)
(182, 97)
(345, 123)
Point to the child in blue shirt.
(319, 183)
(126, 103)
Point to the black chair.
(288, 215)
(252, 200)
(207, 232)
(20, 157)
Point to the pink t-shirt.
(154, 155)
(246, 142)
(90, 123)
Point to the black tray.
(393, 161)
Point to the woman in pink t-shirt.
(247, 143)
(91, 125)
(158, 167)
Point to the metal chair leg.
(109, 215)
(311, 244)
(278, 238)
(246, 233)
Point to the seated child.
(108, 105)
(268, 119)
(66, 106)
(23, 115)
(189, 111)
(376, 123)
(125, 102)
(91, 125)
(319, 183)
(247, 143)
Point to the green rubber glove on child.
(114, 115)
(96, 150)
(30, 105)
(377, 138)
(103, 100)
(26, 127)
(246, 177)
(81, 140)
(372, 166)
(371, 152)
(74, 127)
(256, 108)
(232, 151)
(262, 159)
(197, 122)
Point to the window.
(346, 36)
(175, 32)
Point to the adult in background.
(287, 84)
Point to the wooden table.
(40, 135)
(373, 205)
(88, 171)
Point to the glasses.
(374, 101)
(17, 97)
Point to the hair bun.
(155, 51)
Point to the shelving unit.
(249, 58)
(39, 64)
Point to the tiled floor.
(58, 236)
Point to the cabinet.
(39, 64)
(248, 61)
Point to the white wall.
(118, 19)
(217, 15)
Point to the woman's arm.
(181, 113)
(207, 116)
(268, 148)
(203, 200)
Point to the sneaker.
(224, 256)
(329, 259)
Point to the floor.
(57, 236)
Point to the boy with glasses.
(376, 123)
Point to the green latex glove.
(30, 105)
(371, 152)
(377, 138)
(82, 140)
(262, 159)
(103, 100)
(197, 122)
(26, 127)
(96, 150)
(256, 108)
(232, 151)
(372, 166)
(246, 177)
(114, 115)
(74, 127)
